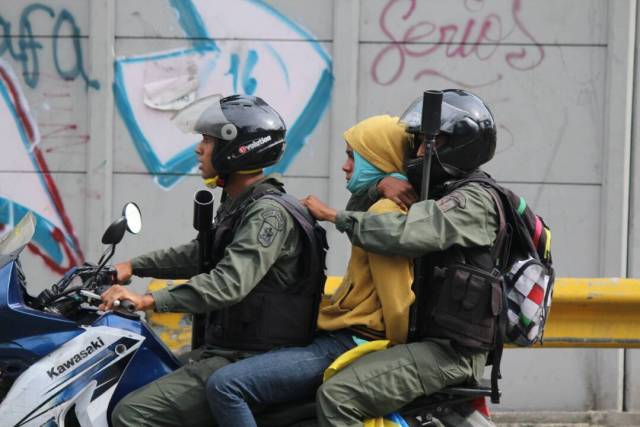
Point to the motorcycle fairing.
(82, 374)
(152, 361)
(37, 332)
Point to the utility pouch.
(469, 302)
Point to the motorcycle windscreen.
(12, 243)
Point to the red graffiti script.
(480, 36)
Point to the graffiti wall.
(280, 62)
(544, 67)
(43, 85)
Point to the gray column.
(344, 105)
(100, 148)
(632, 357)
(609, 375)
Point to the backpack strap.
(499, 251)
(308, 224)
(499, 255)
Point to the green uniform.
(266, 246)
(384, 381)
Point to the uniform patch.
(452, 201)
(272, 223)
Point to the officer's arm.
(263, 232)
(179, 262)
(392, 277)
(466, 217)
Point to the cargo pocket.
(467, 307)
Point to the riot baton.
(203, 223)
(429, 130)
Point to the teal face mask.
(365, 174)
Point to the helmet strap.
(215, 182)
(249, 172)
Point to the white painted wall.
(558, 75)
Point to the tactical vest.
(462, 294)
(271, 316)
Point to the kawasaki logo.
(75, 359)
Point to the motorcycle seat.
(286, 414)
(473, 390)
(452, 393)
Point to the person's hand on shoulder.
(319, 210)
(398, 191)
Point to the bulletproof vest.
(271, 316)
(462, 294)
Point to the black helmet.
(470, 134)
(250, 134)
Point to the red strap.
(537, 233)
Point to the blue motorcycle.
(63, 362)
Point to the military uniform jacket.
(467, 217)
(266, 245)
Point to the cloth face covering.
(365, 174)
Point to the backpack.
(527, 268)
(523, 248)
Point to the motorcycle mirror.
(115, 232)
(132, 214)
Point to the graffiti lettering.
(248, 83)
(25, 49)
(478, 37)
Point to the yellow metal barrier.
(594, 313)
(584, 313)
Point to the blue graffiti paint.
(249, 83)
(168, 173)
(11, 213)
(306, 122)
(280, 61)
(26, 50)
(10, 210)
(233, 70)
(190, 20)
(77, 69)
(297, 28)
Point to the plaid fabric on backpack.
(525, 263)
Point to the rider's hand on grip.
(121, 294)
(127, 305)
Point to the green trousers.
(384, 381)
(178, 398)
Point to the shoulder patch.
(275, 217)
(452, 201)
(272, 223)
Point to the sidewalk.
(568, 419)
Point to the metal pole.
(430, 127)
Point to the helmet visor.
(205, 116)
(449, 116)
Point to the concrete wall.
(79, 140)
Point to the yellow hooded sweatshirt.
(375, 294)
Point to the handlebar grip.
(127, 305)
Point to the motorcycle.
(65, 363)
